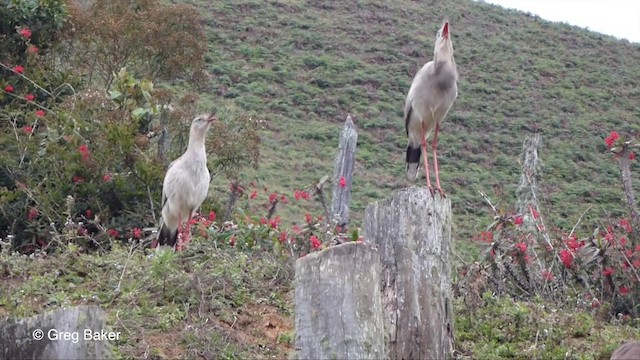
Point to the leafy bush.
(80, 165)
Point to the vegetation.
(96, 98)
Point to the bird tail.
(166, 237)
(413, 162)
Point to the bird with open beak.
(185, 187)
(432, 92)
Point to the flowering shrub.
(251, 231)
(79, 165)
(527, 261)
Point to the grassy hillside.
(304, 65)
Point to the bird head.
(201, 124)
(443, 48)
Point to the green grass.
(208, 302)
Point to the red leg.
(178, 244)
(424, 153)
(435, 158)
(187, 233)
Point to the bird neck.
(196, 143)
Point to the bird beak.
(212, 118)
(445, 30)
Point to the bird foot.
(434, 190)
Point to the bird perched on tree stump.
(185, 187)
(432, 92)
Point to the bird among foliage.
(432, 92)
(185, 187)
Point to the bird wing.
(408, 109)
(164, 188)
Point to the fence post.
(338, 306)
(526, 192)
(412, 231)
(343, 167)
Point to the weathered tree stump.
(338, 305)
(343, 167)
(627, 351)
(412, 231)
(60, 334)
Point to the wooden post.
(526, 192)
(412, 231)
(343, 167)
(338, 305)
(59, 334)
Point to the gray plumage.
(186, 183)
(432, 92)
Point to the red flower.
(607, 271)
(8, 88)
(19, 69)
(518, 220)
(301, 194)
(39, 113)
(275, 222)
(32, 213)
(343, 182)
(486, 236)
(296, 229)
(632, 156)
(283, 199)
(522, 247)
(232, 240)
(77, 179)
(547, 275)
(27, 129)
(566, 257)
(283, 237)
(612, 138)
(595, 303)
(113, 233)
(106, 177)
(26, 33)
(308, 218)
(254, 194)
(29, 97)
(212, 215)
(263, 221)
(315, 242)
(137, 233)
(84, 151)
(32, 49)
(88, 214)
(624, 290)
(273, 197)
(624, 223)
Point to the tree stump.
(627, 351)
(59, 334)
(412, 231)
(337, 304)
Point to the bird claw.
(434, 190)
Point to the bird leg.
(434, 145)
(178, 244)
(424, 153)
(187, 234)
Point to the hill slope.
(304, 65)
